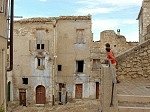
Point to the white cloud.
(105, 6)
(123, 2)
(100, 25)
(112, 2)
(93, 11)
(132, 36)
(104, 24)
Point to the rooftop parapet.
(50, 19)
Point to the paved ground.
(134, 87)
(128, 87)
(77, 106)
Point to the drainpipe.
(54, 65)
(11, 34)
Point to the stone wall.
(3, 52)
(135, 63)
(117, 42)
(144, 20)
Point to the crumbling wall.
(135, 63)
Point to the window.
(40, 46)
(25, 80)
(80, 36)
(40, 38)
(96, 64)
(40, 63)
(80, 66)
(59, 67)
(1, 6)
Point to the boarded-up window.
(80, 66)
(80, 36)
(40, 34)
(96, 64)
(40, 37)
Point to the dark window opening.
(61, 85)
(42, 46)
(80, 66)
(59, 67)
(114, 45)
(25, 80)
(38, 46)
(39, 62)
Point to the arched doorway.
(40, 95)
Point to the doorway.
(22, 96)
(78, 91)
(40, 95)
(97, 90)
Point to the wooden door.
(22, 97)
(78, 91)
(40, 95)
(97, 90)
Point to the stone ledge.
(133, 109)
(134, 98)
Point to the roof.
(50, 19)
(139, 13)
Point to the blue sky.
(106, 14)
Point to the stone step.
(134, 104)
(133, 98)
(133, 109)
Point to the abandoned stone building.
(57, 56)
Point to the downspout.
(54, 66)
(11, 34)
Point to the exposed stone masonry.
(135, 63)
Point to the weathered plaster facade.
(74, 39)
(3, 50)
(30, 62)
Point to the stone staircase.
(133, 103)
